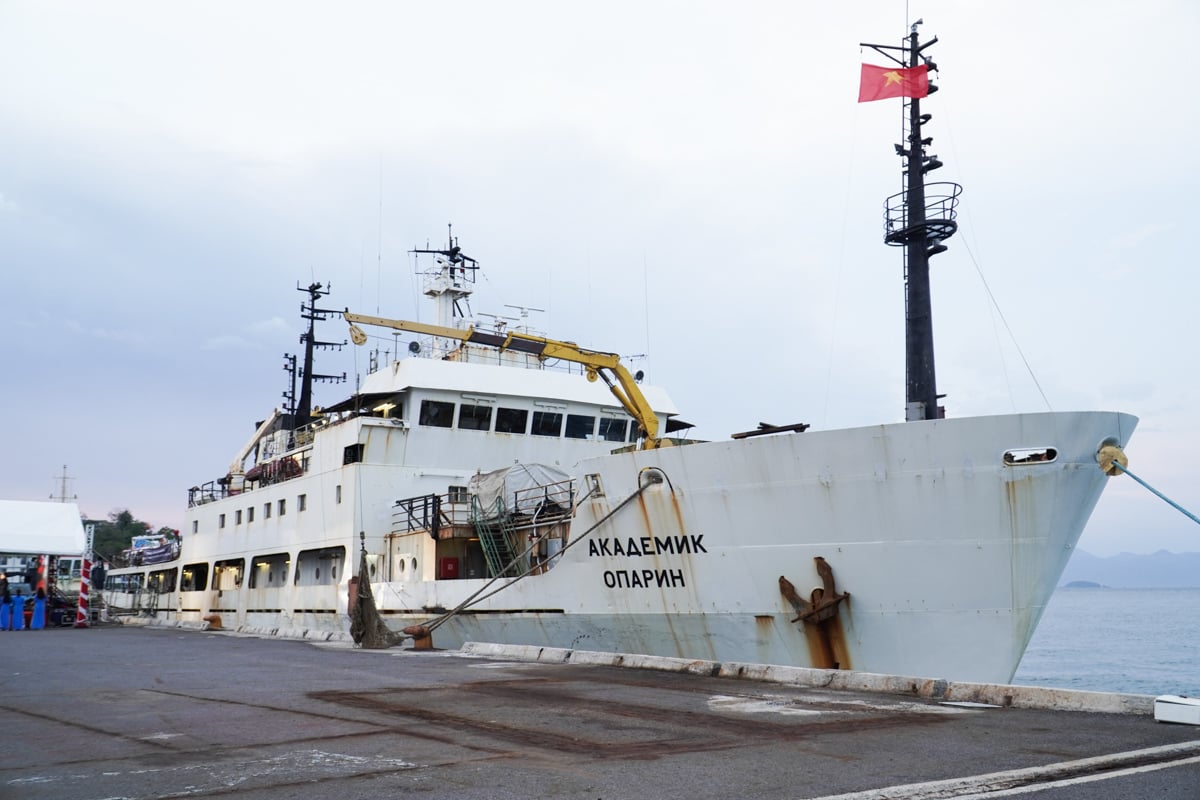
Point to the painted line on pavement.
(1033, 779)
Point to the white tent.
(31, 528)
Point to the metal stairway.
(497, 536)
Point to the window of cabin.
(250, 514)
(237, 517)
(282, 506)
(474, 418)
(547, 423)
(162, 581)
(634, 430)
(511, 420)
(613, 430)
(268, 571)
(353, 453)
(220, 520)
(436, 413)
(195, 526)
(301, 502)
(228, 574)
(580, 427)
(266, 510)
(195, 577)
(337, 494)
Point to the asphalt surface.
(124, 712)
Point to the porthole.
(414, 565)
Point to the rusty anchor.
(824, 601)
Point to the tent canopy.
(30, 528)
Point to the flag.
(879, 83)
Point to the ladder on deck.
(497, 536)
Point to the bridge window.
(511, 420)
(580, 427)
(547, 423)
(437, 413)
(613, 430)
(474, 418)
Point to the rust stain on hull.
(827, 645)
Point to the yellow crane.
(596, 364)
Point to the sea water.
(1141, 641)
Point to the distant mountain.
(1161, 570)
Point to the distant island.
(1161, 570)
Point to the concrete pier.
(133, 712)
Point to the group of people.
(12, 611)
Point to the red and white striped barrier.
(85, 585)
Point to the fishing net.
(366, 626)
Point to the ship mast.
(450, 285)
(301, 410)
(918, 219)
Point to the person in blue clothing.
(18, 612)
(38, 621)
(6, 606)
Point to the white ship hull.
(949, 554)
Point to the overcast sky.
(690, 182)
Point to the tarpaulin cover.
(512, 485)
(34, 528)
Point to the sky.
(690, 184)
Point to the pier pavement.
(143, 712)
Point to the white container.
(1175, 708)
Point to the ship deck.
(140, 712)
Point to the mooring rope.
(1113, 462)
(1168, 500)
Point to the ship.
(497, 485)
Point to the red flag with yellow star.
(879, 83)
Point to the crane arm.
(597, 364)
(235, 466)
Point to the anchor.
(824, 602)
